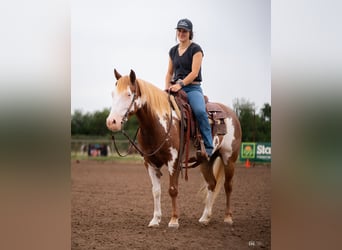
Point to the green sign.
(248, 150)
(263, 152)
(255, 151)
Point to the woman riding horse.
(159, 142)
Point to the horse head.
(124, 100)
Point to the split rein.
(132, 142)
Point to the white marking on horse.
(216, 143)
(171, 162)
(121, 101)
(163, 122)
(139, 102)
(120, 104)
(156, 191)
(227, 142)
(209, 202)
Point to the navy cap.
(184, 24)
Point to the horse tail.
(218, 169)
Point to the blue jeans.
(196, 101)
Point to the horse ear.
(117, 74)
(132, 76)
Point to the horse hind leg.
(213, 174)
(229, 173)
(156, 192)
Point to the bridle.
(132, 142)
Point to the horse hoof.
(204, 221)
(153, 225)
(229, 221)
(173, 223)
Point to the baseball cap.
(184, 24)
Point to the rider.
(184, 69)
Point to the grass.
(136, 158)
(133, 158)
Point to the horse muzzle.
(114, 124)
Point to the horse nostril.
(114, 122)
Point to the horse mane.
(155, 98)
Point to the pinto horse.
(159, 143)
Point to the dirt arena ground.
(112, 205)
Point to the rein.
(132, 142)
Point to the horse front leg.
(156, 192)
(173, 192)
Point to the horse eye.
(129, 94)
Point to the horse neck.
(154, 110)
(155, 103)
(145, 118)
(150, 121)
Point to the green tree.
(94, 124)
(98, 123)
(76, 122)
(255, 127)
(265, 112)
(246, 113)
(264, 128)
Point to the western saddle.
(189, 127)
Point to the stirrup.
(202, 155)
